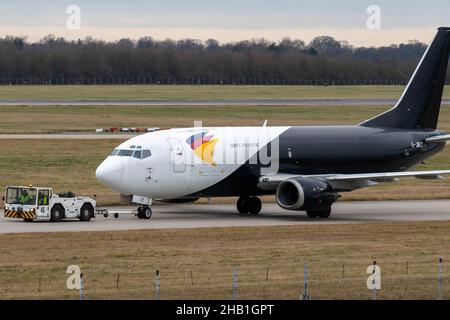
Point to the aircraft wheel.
(312, 214)
(322, 213)
(139, 212)
(254, 205)
(146, 212)
(242, 205)
(325, 213)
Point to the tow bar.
(106, 213)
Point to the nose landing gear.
(249, 205)
(144, 212)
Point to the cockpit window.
(137, 154)
(146, 154)
(125, 153)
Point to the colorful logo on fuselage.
(203, 146)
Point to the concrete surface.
(199, 216)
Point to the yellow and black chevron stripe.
(19, 214)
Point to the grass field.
(197, 263)
(63, 164)
(27, 119)
(163, 92)
(70, 165)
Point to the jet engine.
(307, 194)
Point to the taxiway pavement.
(224, 215)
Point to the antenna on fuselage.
(265, 123)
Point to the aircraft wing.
(352, 181)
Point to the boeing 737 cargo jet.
(304, 167)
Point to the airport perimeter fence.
(399, 280)
(195, 81)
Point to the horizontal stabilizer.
(431, 177)
(442, 138)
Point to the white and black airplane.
(304, 167)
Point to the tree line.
(55, 60)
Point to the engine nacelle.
(305, 194)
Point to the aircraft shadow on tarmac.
(201, 212)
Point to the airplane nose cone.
(110, 172)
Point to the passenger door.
(177, 155)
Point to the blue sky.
(228, 19)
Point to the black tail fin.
(419, 105)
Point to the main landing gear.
(144, 212)
(248, 205)
(321, 213)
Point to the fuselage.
(228, 161)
